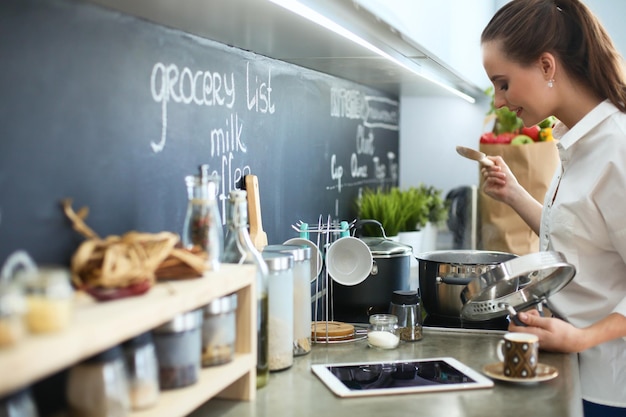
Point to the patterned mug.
(519, 354)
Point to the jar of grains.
(143, 371)
(178, 345)
(280, 294)
(98, 387)
(219, 331)
(49, 299)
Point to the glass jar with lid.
(49, 299)
(280, 266)
(301, 294)
(18, 404)
(382, 332)
(178, 345)
(12, 309)
(99, 386)
(203, 226)
(219, 331)
(143, 371)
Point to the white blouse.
(584, 217)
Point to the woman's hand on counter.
(557, 335)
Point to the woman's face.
(520, 88)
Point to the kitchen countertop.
(298, 392)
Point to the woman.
(545, 58)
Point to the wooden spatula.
(257, 235)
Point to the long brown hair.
(569, 30)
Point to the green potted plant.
(397, 210)
(437, 213)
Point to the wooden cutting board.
(257, 235)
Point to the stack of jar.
(130, 376)
(301, 294)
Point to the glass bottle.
(203, 227)
(238, 249)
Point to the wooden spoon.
(257, 235)
(475, 155)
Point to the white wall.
(431, 127)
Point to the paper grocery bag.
(501, 228)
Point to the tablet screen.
(408, 376)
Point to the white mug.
(349, 260)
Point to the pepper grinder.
(406, 306)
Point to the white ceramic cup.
(349, 261)
(519, 353)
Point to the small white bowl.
(349, 261)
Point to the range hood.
(395, 64)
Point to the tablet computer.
(399, 377)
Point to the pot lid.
(465, 257)
(386, 248)
(519, 283)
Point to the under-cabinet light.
(300, 9)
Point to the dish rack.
(325, 233)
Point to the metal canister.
(301, 294)
(280, 296)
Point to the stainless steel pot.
(444, 274)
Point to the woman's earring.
(551, 83)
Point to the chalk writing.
(374, 111)
(364, 144)
(170, 83)
(261, 98)
(336, 171)
(203, 88)
(356, 170)
(381, 113)
(229, 139)
(346, 103)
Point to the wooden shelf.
(97, 326)
(180, 402)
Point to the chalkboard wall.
(113, 112)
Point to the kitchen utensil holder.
(326, 232)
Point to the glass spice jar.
(18, 404)
(219, 331)
(143, 371)
(49, 299)
(382, 331)
(406, 306)
(178, 345)
(98, 387)
(12, 309)
(203, 226)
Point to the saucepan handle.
(454, 280)
(356, 232)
